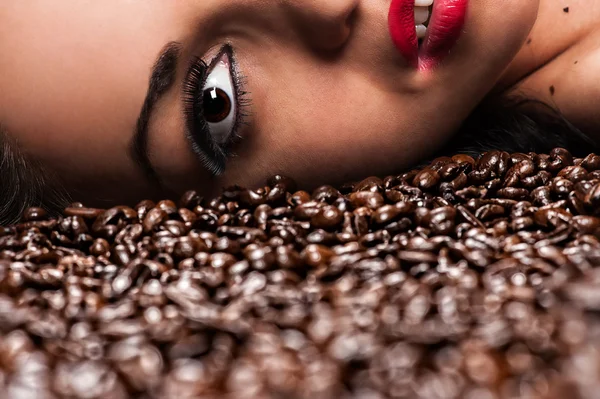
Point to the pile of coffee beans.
(470, 278)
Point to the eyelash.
(212, 155)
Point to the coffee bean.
(458, 183)
(366, 199)
(153, 219)
(168, 206)
(552, 217)
(493, 164)
(539, 179)
(373, 184)
(489, 212)
(253, 198)
(85, 213)
(34, 213)
(288, 184)
(143, 208)
(315, 255)
(591, 162)
(325, 194)
(523, 169)
(327, 217)
(574, 174)
(559, 158)
(175, 227)
(464, 159)
(513, 193)
(587, 224)
(468, 278)
(592, 198)
(441, 221)
(427, 179)
(99, 247)
(300, 197)
(541, 196)
(190, 200)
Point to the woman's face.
(329, 97)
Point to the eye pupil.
(216, 105)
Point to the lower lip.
(447, 20)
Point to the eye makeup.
(215, 107)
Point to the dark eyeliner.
(212, 155)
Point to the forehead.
(75, 84)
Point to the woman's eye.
(218, 100)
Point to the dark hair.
(518, 125)
(24, 183)
(512, 125)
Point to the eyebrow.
(162, 78)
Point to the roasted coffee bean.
(458, 183)
(468, 278)
(552, 217)
(394, 196)
(390, 213)
(328, 217)
(153, 219)
(85, 213)
(574, 174)
(277, 195)
(450, 170)
(299, 198)
(188, 217)
(441, 221)
(559, 158)
(587, 224)
(190, 200)
(253, 198)
(489, 212)
(168, 206)
(592, 198)
(561, 187)
(493, 164)
(175, 227)
(539, 179)
(111, 220)
(513, 193)
(541, 196)
(287, 183)
(591, 162)
(100, 247)
(427, 179)
(120, 255)
(325, 194)
(217, 205)
(315, 255)
(73, 226)
(367, 199)
(440, 162)
(373, 184)
(307, 210)
(34, 213)
(143, 208)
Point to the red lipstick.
(401, 21)
(445, 27)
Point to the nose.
(324, 25)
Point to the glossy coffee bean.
(472, 277)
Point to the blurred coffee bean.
(469, 278)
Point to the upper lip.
(402, 29)
(445, 27)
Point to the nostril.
(325, 24)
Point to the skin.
(332, 99)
